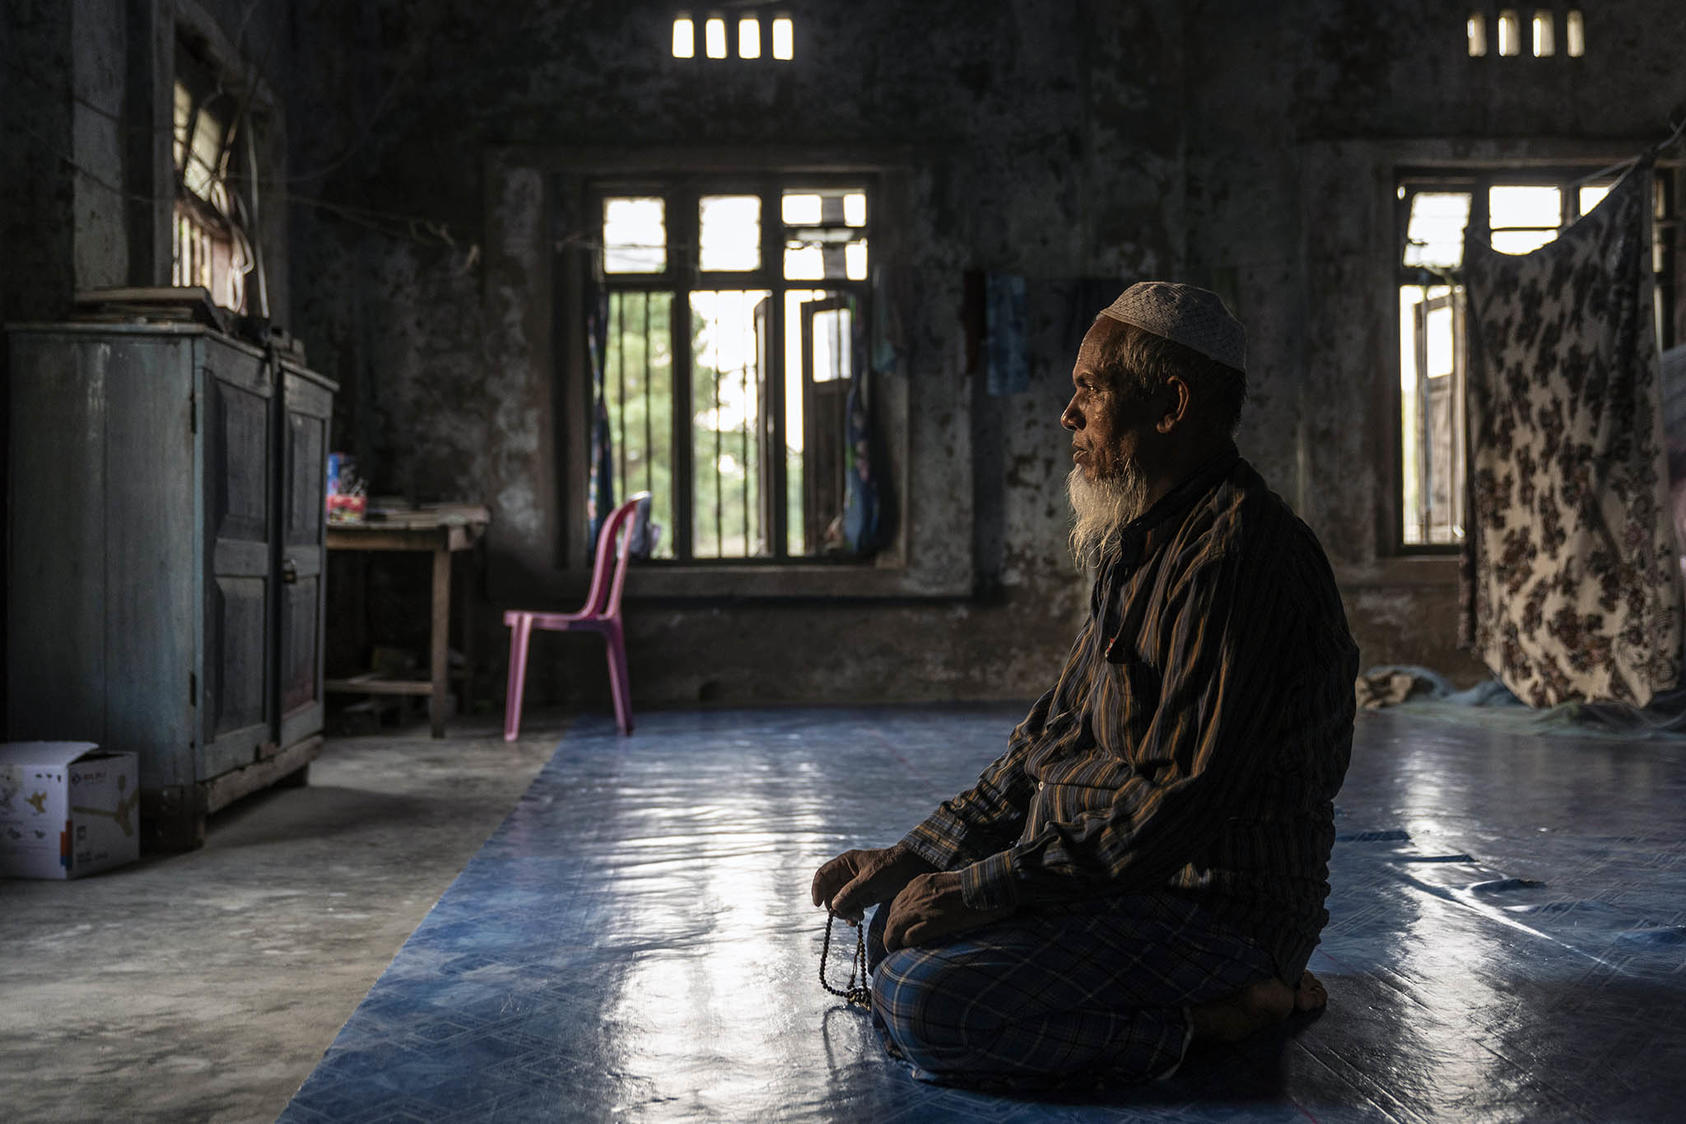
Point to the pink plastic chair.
(601, 613)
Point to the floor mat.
(1507, 938)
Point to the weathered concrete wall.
(1040, 144)
(37, 190)
(99, 41)
(1246, 146)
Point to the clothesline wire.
(414, 226)
(1654, 150)
(408, 226)
(93, 176)
(76, 98)
(128, 128)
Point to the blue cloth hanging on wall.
(600, 495)
(862, 525)
(1006, 345)
(860, 506)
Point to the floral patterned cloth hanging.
(1571, 551)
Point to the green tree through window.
(739, 436)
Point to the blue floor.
(1508, 939)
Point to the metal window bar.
(620, 398)
(682, 239)
(1460, 423)
(772, 258)
(1424, 438)
(719, 505)
(633, 379)
(649, 405)
(743, 459)
(765, 490)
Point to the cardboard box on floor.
(67, 809)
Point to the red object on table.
(347, 508)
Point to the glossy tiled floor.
(1508, 939)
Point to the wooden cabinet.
(165, 558)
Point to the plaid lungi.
(1096, 987)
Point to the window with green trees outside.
(736, 319)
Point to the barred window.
(209, 247)
(736, 321)
(1522, 210)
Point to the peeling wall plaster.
(1015, 110)
(38, 203)
(1248, 147)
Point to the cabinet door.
(306, 409)
(237, 705)
(103, 591)
(56, 542)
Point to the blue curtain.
(1007, 341)
(862, 523)
(600, 502)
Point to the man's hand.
(931, 909)
(856, 879)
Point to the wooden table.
(444, 530)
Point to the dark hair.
(1138, 363)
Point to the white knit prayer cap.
(1193, 317)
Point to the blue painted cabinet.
(166, 559)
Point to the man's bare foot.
(1255, 1007)
(1311, 994)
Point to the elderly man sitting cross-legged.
(1147, 863)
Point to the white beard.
(1101, 508)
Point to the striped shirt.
(1196, 737)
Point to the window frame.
(681, 276)
(217, 232)
(1477, 180)
(536, 273)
